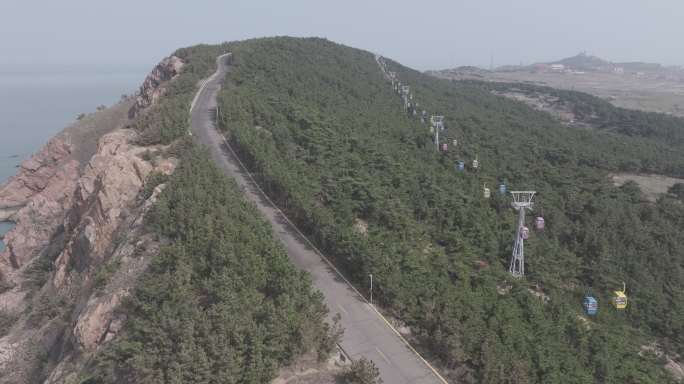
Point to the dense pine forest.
(330, 142)
(601, 114)
(221, 303)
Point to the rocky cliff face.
(36, 199)
(35, 174)
(152, 88)
(79, 243)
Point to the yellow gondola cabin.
(620, 298)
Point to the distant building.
(557, 67)
(540, 67)
(619, 70)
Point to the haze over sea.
(34, 106)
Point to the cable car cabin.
(619, 300)
(476, 164)
(590, 305)
(454, 142)
(539, 223)
(487, 193)
(444, 147)
(502, 188)
(460, 166)
(525, 233)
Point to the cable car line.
(522, 200)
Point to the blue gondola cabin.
(590, 305)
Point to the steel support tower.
(405, 91)
(522, 201)
(437, 124)
(393, 78)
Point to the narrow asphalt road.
(366, 332)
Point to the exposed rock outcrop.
(36, 200)
(98, 322)
(45, 168)
(79, 243)
(152, 89)
(101, 225)
(39, 195)
(111, 181)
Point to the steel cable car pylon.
(405, 91)
(522, 201)
(437, 123)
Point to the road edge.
(305, 238)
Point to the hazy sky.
(423, 34)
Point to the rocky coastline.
(78, 242)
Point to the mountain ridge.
(329, 141)
(582, 61)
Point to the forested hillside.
(659, 127)
(330, 142)
(167, 120)
(221, 303)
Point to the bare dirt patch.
(84, 134)
(673, 364)
(652, 186)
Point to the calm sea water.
(34, 107)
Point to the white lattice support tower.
(405, 90)
(393, 77)
(522, 201)
(437, 124)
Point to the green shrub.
(362, 371)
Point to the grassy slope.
(335, 146)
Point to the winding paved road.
(366, 333)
